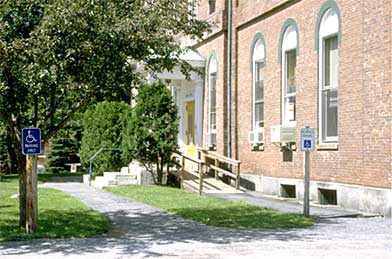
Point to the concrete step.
(111, 175)
(124, 170)
(103, 181)
(126, 179)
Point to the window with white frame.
(328, 77)
(212, 76)
(258, 86)
(289, 61)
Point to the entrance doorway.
(190, 127)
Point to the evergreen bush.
(102, 127)
(150, 136)
(65, 147)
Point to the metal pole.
(94, 156)
(306, 191)
(90, 173)
(229, 56)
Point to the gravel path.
(140, 231)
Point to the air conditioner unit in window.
(211, 139)
(256, 137)
(283, 134)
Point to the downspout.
(229, 45)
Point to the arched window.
(212, 76)
(328, 46)
(258, 64)
(289, 60)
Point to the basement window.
(327, 196)
(288, 191)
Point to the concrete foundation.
(143, 176)
(361, 198)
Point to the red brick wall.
(364, 153)
(216, 44)
(203, 9)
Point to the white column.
(199, 103)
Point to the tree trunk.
(13, 166)
(159, 173)
(15, 136)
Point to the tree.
(151, 135)
(65, 147)
(8, 164)
(102, 127)
(4, 141)
(58, 56)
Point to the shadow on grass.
(134, 233)
(243, 215)
(52, 177)
(138, 228)
(56, 224)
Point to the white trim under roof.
(193, 58)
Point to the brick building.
(276, 66)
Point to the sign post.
(307, 145)
(31, 146)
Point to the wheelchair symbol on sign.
(30, 138)
(307, 144)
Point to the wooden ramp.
(195, 174)
(191, 182)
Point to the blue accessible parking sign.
(31, 141)
(307, 139)
(307, 143)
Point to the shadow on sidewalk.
(134, 233)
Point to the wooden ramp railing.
(209, 162)
(182, 158)
(221, 165)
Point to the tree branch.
(54, 129)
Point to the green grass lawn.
(60, 216)
(213, 212)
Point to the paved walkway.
(140, 231)
(287, 205)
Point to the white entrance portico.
(188, 96)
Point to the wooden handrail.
(223, 171)
(234, 173)
(200, 165)
(190, 158)
(219, 156)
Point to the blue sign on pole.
(31, 141)
(307, 139)
(307, 143)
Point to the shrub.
(151, 135)
(102, 127)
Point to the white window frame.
(258, 57)
(212, 69)
(329, 27)
(289, 43)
